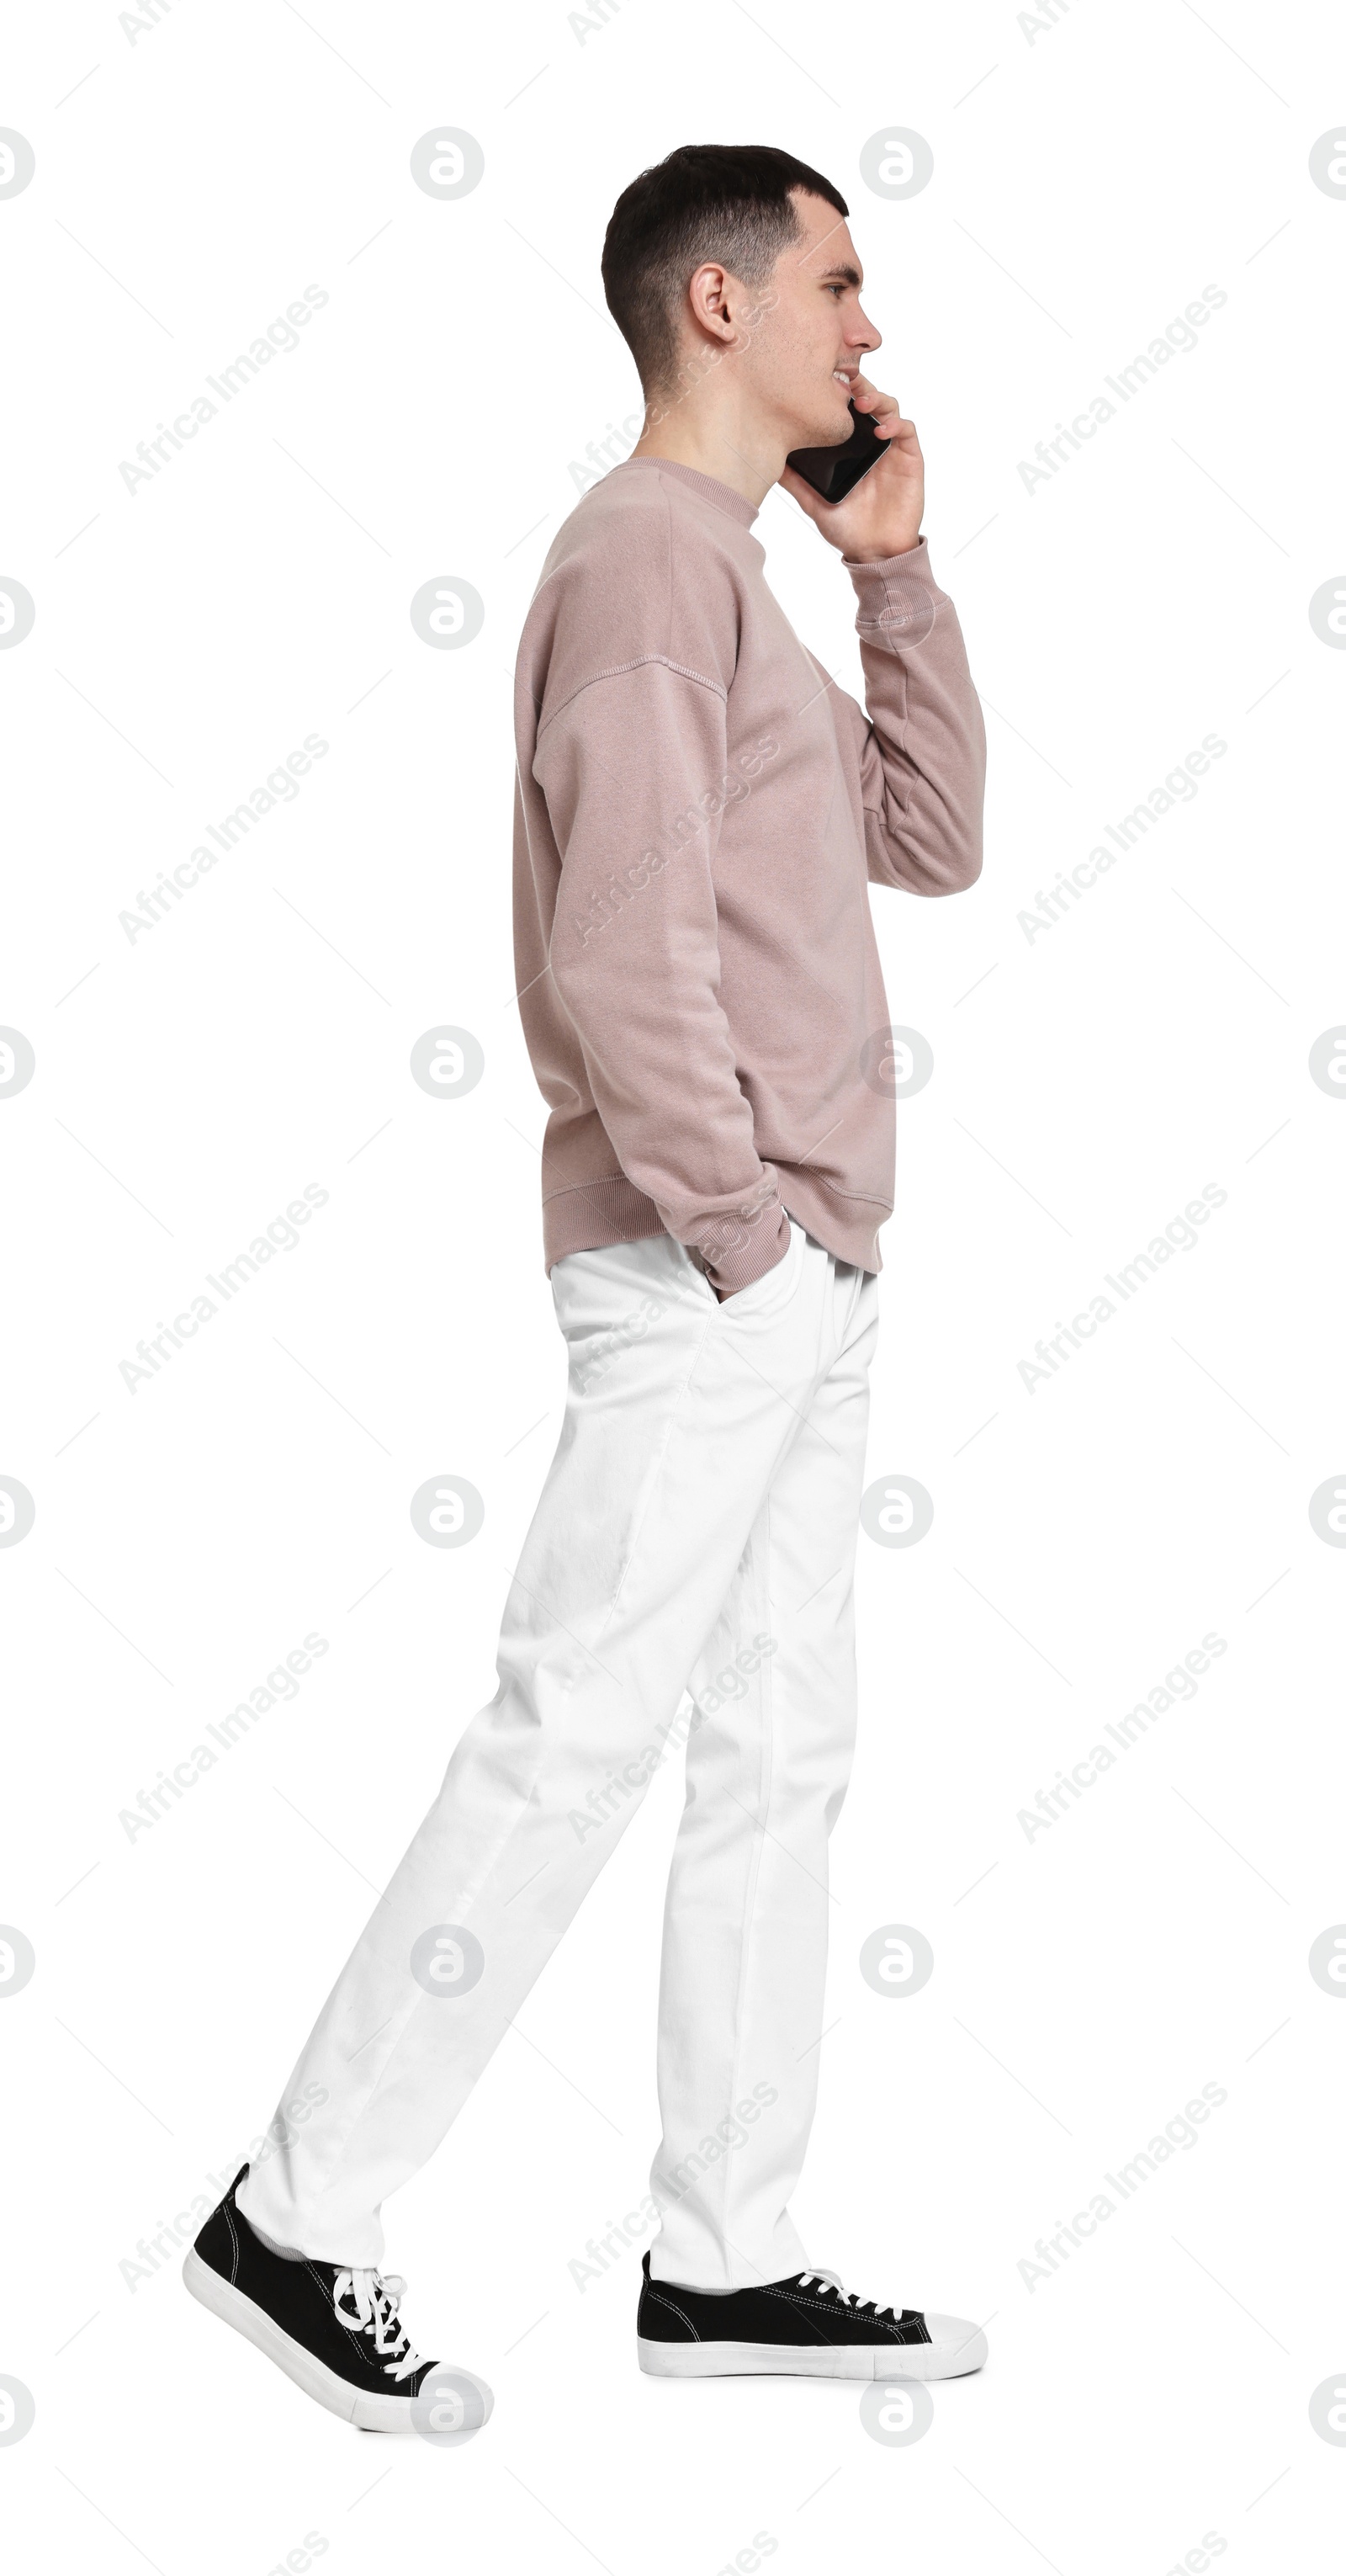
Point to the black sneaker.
(807, 2327)
(336, 2333)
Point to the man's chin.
(828, 432)
(844, 422)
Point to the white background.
(1090, 177)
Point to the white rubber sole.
(955, 2349)
(369, 2412)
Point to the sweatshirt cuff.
(767, 1243)
(896, 597)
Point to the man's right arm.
(635, 770)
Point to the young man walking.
(699, 816)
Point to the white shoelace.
(849, 2298)
(376, 2298)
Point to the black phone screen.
(835, 471)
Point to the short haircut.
(729, 202)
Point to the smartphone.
(835, 471)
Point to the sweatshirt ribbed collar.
(709, 486)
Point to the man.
(699, 815)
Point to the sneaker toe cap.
(958, 2344)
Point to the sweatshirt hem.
(586, 1216)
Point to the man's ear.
(710, 305)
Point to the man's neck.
(742, 454)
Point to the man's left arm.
(922, 744)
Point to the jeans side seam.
(766, 1764)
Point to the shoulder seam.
(617, 671)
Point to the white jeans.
(696, 1532)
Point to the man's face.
(809, 347)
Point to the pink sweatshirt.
(699, 814)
